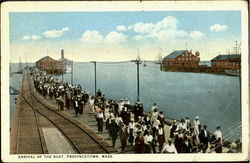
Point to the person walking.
(160, 137)
(148, 140)
(196, 129)
(169, 147)
(113, 131)
(131, 129)
(76, 105)
(99, 118)
(139, 143)
(173, 128)
(123, 135)
(218, 141)
(204, 137)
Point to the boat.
(158, 58)
(66, 64)
(67, 68)
(232, 73)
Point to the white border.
(123, 6)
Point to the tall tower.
(62, 54)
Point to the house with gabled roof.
(227, 61)
(49, 65)
(181, 58)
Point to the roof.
(46, 57)
(226, 57)
(174, 54)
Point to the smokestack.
(62, 53)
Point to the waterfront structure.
(49, 65)
(66, 64)
(181, 58)
(229, 61)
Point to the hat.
(174, 121)
(180, 136)
(196, 117)
(233, 145)
(170, 140)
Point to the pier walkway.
(39, 129)
(88, 119)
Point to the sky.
(117, 36)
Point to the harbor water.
(214, 98)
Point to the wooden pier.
(39, 128)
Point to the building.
(181, 58)
(49, 65)
(227, 61)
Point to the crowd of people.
(144, 131)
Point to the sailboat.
(158, 58)
(235, 72)
(138, 58)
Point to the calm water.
(214, 98)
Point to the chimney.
(190, 51)
(62, 53)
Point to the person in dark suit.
(113, 131)
(204, 137)
(99, 93)
(187, 147)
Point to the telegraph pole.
(137, 62)
(72, 73)
(95, 73)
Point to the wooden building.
(227, 61)
(181, 58)
(49, 65)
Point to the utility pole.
(62, 75)
(95, 73)
(72, 73)
(137, 62)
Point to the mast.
(20, 64)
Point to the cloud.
(139, 37)
(196, 34)
(130, 27)
(36, 37)
(26, 37)
(55, 33)
(163, 30)
(115, 38)
(218, 28)
(91, 37)
(32, 37)
(121, 28)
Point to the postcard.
(114, 81)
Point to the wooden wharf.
(39, 128)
